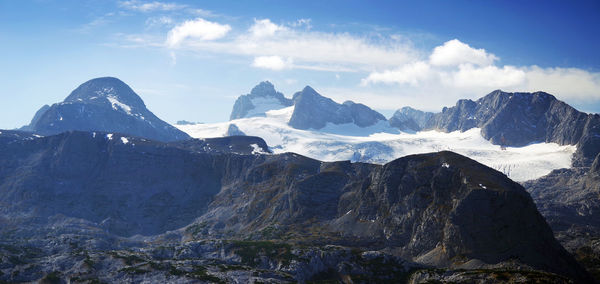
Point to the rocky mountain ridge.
(518, 119)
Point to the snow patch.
(262, 105)
(445, 165)
(257, 150)
(116, 104)
(109, 136)
(124, 140)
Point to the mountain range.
(97, 188)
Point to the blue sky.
(191, 59)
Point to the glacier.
(381, 143)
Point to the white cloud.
(442, 75)
(264, 28)
(490, 77)
(159, 21)
(459, 71)
(141, 6)
(454, 53)
(196, 29)
(572, 82)
(272, 62)
(411, 73)
(338, 52)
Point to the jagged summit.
(314, 111)
(264, 88)
(104, 104)
(262, 98)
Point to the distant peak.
(110, 88)
(309, 89)
(263, 88)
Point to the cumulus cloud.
(458, 70)
(199, 29)
(272, 62)
(264, 28)
(455, 52)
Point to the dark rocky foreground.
(90, 206)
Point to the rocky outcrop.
(233, 130)
(313, 111)
(408, 118)
(518, 119)
(107, 105)
(439, 209)
(263, 97)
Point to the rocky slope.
(313, 111)
(410, 119)
(107, 105)
(518, 119)
(263, 97)
(569, 199)
(89, 190)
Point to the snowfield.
(381, 143)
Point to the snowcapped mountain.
(262, 97)
(519, 119)
(313, 111)
(380, 143)
(103, 104)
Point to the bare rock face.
(263, 97)
(107, 105)
(313, 111)
(518, 119)
(569, 199)
(408, 118)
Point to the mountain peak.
(103, 89)
(104, 104)
(312, 110)
(263, 88)
(262, 98)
